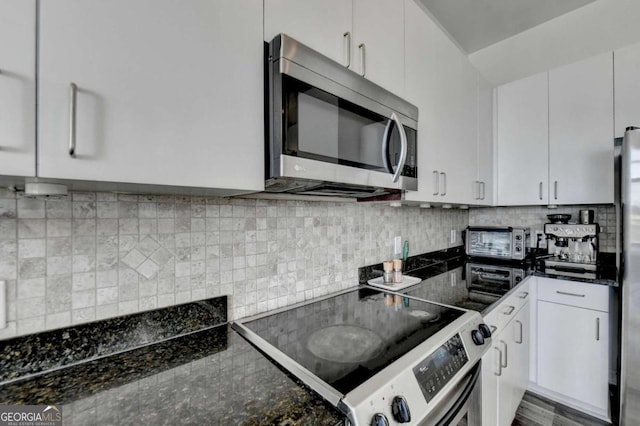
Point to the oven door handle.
(464, 397)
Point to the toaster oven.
(497, 242)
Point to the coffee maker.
(572, 249)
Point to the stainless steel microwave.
(332, 132)
(497, 242)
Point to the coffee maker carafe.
(574, 249)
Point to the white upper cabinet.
(379, 54)
(581, 132)
(627, 88)
(347, 31)
(484, 189)
(17, 87)
(443, 84)
(323, 25)
(522, 141)
(168, 92)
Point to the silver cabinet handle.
(569, 294)
(555, 190)
(363, 58)
(506, 349)
(477, 185)
(540, 190)
(436, 181)
(523, 295)
(499, 373)
(73, 91)
(598, 329)
(509, 310)
(403, 149)
(519, 341)
(444, 184)
(347, 37)
(483, 190)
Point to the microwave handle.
(386, 137)
(403, 149)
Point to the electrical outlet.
(397, 245)
(453, 277)
(453, 238)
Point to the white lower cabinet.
(572, 345)
(505, 367)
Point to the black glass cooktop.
(346, 339)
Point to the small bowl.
(559, 218)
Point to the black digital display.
(435, 371)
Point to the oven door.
(462, 405)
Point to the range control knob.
(400, 410)
(477, 337)
(379, 419)
(485, 330)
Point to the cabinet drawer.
(492, 321)
(512, 304)
(582, 295)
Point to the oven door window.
(321, 126)
(492, 243)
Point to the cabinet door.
(508, 380)
(17, 87)
(626, 88)
(520, 344)
(572, 352)
(379, 55)
(522, 141)
(581, 132)
(490, 379)
(168, 92)
(319, 24)
(457, 152)
(485, 143)
(442, 83)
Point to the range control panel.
(435, 371)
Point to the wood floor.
(535, 410)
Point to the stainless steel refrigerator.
(629, 377)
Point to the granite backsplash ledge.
(91, 256)
(40, 352)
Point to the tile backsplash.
(535, 217)
(92, 256)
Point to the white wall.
(599, 27)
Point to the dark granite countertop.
(207, 376)
(437, 285)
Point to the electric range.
(380, 358)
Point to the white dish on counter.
(407, 281)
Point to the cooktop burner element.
(344, 343)
(362, 349)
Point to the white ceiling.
(476, 24)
